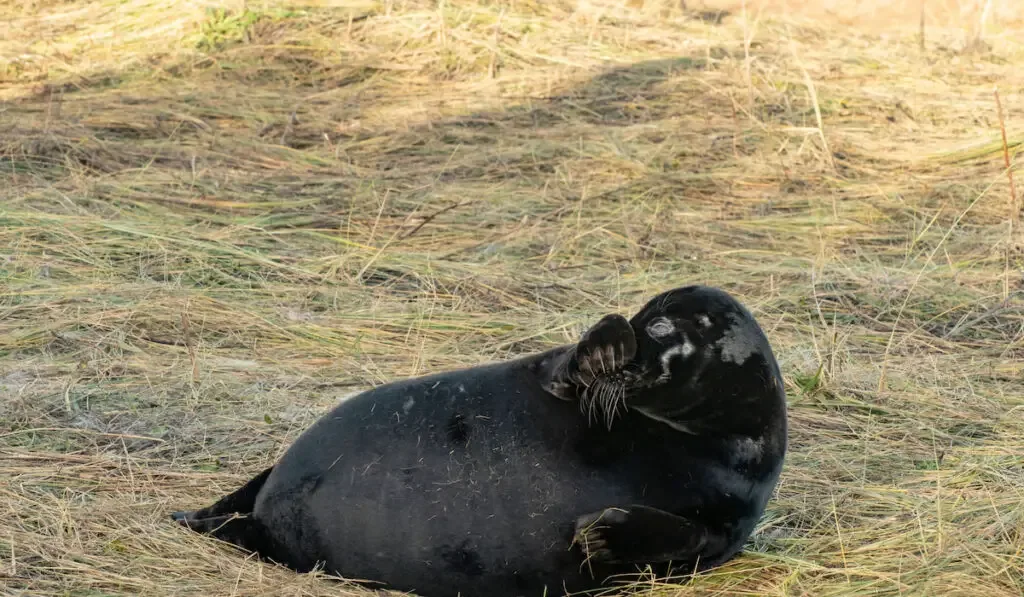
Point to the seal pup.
(653, 440)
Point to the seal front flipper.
(643, 535)
(604, 349)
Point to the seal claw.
(592, 534)
(605, 348)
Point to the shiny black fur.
(498, 481)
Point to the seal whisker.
(618, 398)
(609, 412)
(588, 402)
(609, 406)
(603, 399)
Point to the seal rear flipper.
(249, 534)
(644, 535)
(240, 501)
(604, 349)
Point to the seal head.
(680, 342)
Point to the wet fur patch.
(683, 350)
(749, 448)
(739, 341)
(462, 559)
(458, 430)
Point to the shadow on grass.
(89, 120)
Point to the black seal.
(652, 440)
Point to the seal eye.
(660, 327)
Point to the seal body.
(500, 481)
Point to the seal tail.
(240, 501)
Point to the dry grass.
(214, 226)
